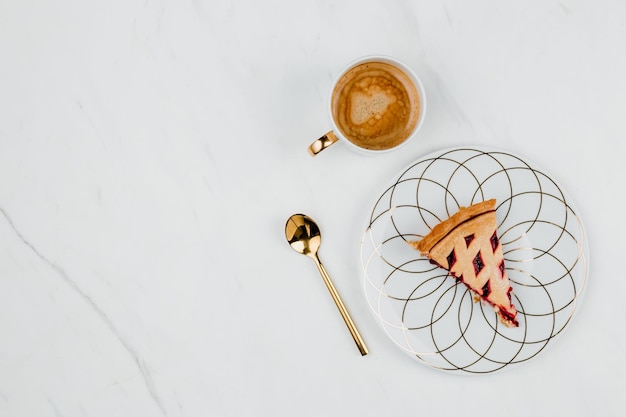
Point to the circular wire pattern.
(438, 320)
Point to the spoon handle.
(342, 308)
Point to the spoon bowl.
(303, 234)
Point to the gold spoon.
(304, 236)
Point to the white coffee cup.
(376, 104)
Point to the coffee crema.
(375, 105)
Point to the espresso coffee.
(375, 105)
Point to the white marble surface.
(151, 151)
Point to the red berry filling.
(451, 259)
(478, 264)
(486, 289)
(509, 317)
(494, 241)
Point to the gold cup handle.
(322, 143)
(342, 308)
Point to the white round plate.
(430, 315)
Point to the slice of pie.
(467, 246)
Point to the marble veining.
(141, 365)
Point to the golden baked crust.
(442, 229)
(467, 245)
